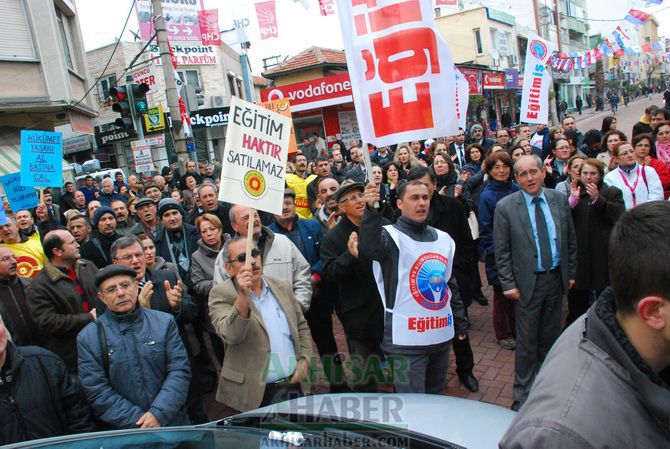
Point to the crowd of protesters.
(129, 299)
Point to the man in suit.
(536, 257)
(267, 337)
(457, 149)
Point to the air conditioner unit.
(496, 62)
(218, 101)
(514, 60)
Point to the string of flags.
(617, 43)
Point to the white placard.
(254, 158)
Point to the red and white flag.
(446, 2)
(209, 27)
(267, 19)
(402, 73)
(326, 7)
(185, 119)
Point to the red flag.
(647, 48)
(267, 19)
(209, 27)
(446, 3)
(327, 8)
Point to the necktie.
(542, 235)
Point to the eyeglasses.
(242, 257)
(532, 172)
(123, 285)
(358, 196)
(129, 257)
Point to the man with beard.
(298, 183)
(62, 297)
(80, 228)
(326, 211)
(28, 251)
(322, 170)
(104, 233)
(177, 241)
(149, 224)
(124, 223)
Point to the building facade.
(41, 45)
(216, 71)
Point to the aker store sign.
(210, 118)
(109, 134)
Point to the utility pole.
(539, 24)
(170, 85)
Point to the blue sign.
(511, 78)
(3, 216)
(41, 158)
(190, 147)
(20, 197)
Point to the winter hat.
(166, 204)
(99, 213)
(472, 129)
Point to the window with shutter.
(16, 41)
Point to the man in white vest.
(413, 269)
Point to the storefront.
(322, 105)
(501, 98)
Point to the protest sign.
(254, 158)
(41, 158)
(537, 80)
(401, 69)
(283, 107)
(19, 197)
(142, 155)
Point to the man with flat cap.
(352, 287)
(132, 363)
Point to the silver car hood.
(464, 422)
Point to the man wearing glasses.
(268, 341)
(536, 256)
(132, 363)
(503, 137)
(351, 285)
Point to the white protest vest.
(422, 311)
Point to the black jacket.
(41, 400)
(351, 285)
(14, 312)
(222, 212)
(191, 235)
(97, 249)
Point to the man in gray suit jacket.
(536, 256)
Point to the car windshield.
(230, 434)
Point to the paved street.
(494, 366)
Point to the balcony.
(575, 24)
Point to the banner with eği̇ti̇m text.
(536, 81)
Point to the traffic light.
(193, 96)
(122, 106)
(199, 95)
(139, 98)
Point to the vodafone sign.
(494, 80)
(317, 93)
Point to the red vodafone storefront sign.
(493, 80)
(316, 93)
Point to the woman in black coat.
(596, 207)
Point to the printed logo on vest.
(427, 283)
(27, 267)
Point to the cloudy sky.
(300, 28)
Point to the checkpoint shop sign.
(316, 93)
(257, 143)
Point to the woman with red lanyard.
(643, 145)
(639, 184)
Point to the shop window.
(190, 77)
(478, 41)
(105, 84)
(63, 29)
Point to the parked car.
(417, 421)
